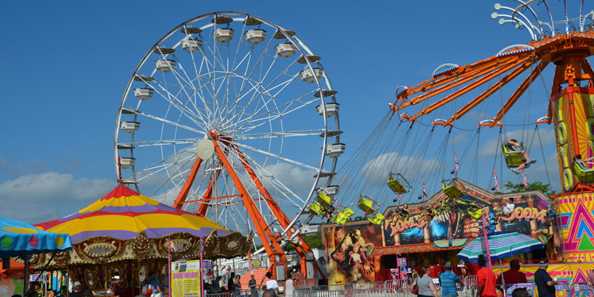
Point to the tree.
(314, 240)
(534, 186)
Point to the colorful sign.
(186, 279)
(575, 221)
(443, 221)
(350, 248)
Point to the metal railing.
(403, 289)
(391, 288)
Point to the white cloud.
(296, 178)
(48, 195)
(377, 169)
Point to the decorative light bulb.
(497, 6)
(494, 15)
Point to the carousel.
(126, 240)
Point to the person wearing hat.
(448, 281)
(544, 283)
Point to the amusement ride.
(500, 119)
(232, 117)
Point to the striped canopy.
(124, 214)
(501, 246)
(20, 239)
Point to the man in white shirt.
(271, 284)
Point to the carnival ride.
(224, 116)
(487, 122)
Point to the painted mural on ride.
(441, 223)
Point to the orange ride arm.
(487, 93)
(454, 84)
(452, 75)
(520, 90)
(468, 88)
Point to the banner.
(185, 280)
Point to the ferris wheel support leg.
(208, 194)
(302, 248)
(271, 246)
(181, 197)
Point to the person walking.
(236, 286)
(448, 281)
(290, 286)
(486, 279)
(425, 285)
(253, 285)
(271, 284)
(545, 285)
(231, 283)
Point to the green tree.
(314, 241)
(534, 186)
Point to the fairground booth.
(434, 231)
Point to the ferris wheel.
(234, 118)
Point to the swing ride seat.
(343, 216)
(398, 184)
(325, 200)
(317, 209)
(367, 205)
(377, 219)
(584, 173)
(451, 189)
(513, 158)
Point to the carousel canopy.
(19, 239)
(125, 225)
(124, 214)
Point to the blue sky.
(65, 64)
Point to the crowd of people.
(488, 283)
(230, 283)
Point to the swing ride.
(220, 116)
(485, 121)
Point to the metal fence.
(396, 289)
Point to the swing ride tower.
(565, 45)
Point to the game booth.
(361, 251)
